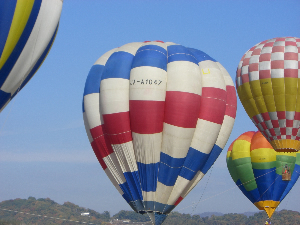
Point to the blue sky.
(44, 149)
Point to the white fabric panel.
(265, 65)
(87, 128)
(211, 75)
(244, 70)
(170, 43)
(39, 38)
(180, 185)
(290, 115)
(184, 76)
(225, 131)
(266, 50)
(291, 48)
(147, 147)
(227, 78)
(103, 59)
(91, 108)
(112, 164)
(126, 157)
(192, 184)
(114, 182)
(149, 196)
(114, 95)
(130, 47)
(163, 193)
(290, 64)
(176, 140)
(277, 73)
(205, 136)
(160, 44)
(277, 56)
(148, 91)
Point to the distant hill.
(45, 211)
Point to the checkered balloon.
(267, 82)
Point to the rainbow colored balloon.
(261, 173)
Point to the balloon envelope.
(157, 116)
(27, 31)
(257, 170)
(268, 86)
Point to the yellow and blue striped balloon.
(256, 168)
(27, 31)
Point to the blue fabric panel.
(159, 207)
(195, 159)
(180, 53)
(4, 72)
(159, 218)
(169, 208)
(187, 173)
(201, 56)
(7, 10)
(168, 175)
(118, 66)
(265, 182)
(38, 63)
(280, 186)
(294, 178)
(251, 195)
(4, 97)
(213, 155)
(148, 176)
(153, 47)
(92, 84)
(151, 57)
(127, 196)
(132, 180)
(173, 162)
(149, 205)
(137, 205)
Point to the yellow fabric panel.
(241, 149)
(298, 97)
(269, 206)
(21, 15)
(287, 153)
(247, 100)
(286, 145)
(290, 93)
(267, 91)
(258, 96)
(279, 93)
(261, 155)
(228, 154)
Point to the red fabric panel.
(265, 57)
(231, 102)
(182, 109)
(96, 132)
(277, 64)
(146, 117)
(291, 73)
(214, 93)
(178, 200)
(264, 74)
(116, 123)
(291, 56)
(212, 110)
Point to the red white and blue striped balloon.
(157, 115)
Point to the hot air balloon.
(263, 175)
(27, 31)
(268, 86)
(157, 116)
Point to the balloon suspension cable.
(220, 193)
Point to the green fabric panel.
(245, 173)
(281, 160)
(232, 169)
(263, 166)
(297, 159)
